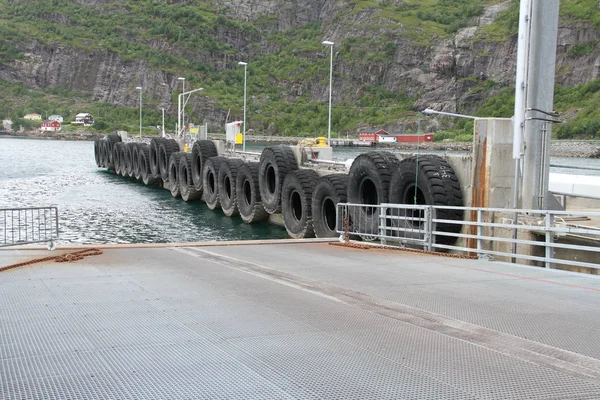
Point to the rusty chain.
(66, 257)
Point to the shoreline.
(560, 148)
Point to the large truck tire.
(275, 163)
(135, 158)
(329, 191)
(430, 181)
(174, 173)
(186, 184)
(210, 177)
(296, 203)
(247, 189)
(166, 148)
(129, 160)
(202, 150)
(144, 165)
(227, 186)
(97, 152)
(153, 160)
(369, 184)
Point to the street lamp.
(182, 101)
(245, 74)
(163, 123)
(181, 118)
(140, 89)
(330, 44)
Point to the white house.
(57, 118)
(84, 119)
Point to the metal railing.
(404, 224)
(28, 225)
(545, 238)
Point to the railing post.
(382, 224)
(429, 216)
(549, 240)
(479, 232)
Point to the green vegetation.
(288, 69)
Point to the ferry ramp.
(304, 320)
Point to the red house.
(376, 135)
(50, 126)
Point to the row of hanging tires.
(307, 201)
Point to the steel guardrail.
(28, 225)
(532, 235)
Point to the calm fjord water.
(96, 206)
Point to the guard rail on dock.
(535, 237)
(28, 225)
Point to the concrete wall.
(493, 168)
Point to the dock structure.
(302, 320)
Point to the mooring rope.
(66, 257)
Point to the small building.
(55, 118)
(376, 135)
(84, 119)
(383, 136)
(50, 126)
(33, 117)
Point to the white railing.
(28, 225)
(545, 237)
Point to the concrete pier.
(294, 320)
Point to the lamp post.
(244, 134)
(181, 116)
(140, 89)
(330, 44)
(163, 123)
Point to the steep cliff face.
(444, 74)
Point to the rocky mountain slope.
(392, 57)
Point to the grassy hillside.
(196, 40)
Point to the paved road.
(295, 321)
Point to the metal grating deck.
(300, 321)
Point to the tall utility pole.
(539, 83)
(140, 89)
(245, 74)
(330, 44)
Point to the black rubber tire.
(174, 173)
(97, 152)
(202, 150)
(117, 158)
(102, 148)
(153, 160)
(129, 160)
(210, 178)
(112, 139)
(123, 158)
(135, 159)
(167, 147)
(436, 184)
(369, 183)
(227, 185)
(108, 156)
(275, 163)
(328, 192)
(144, 166)
(247, 190)
(296, 203)
(186, 184)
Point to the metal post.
(549, 240)
(182, 111)
(140, 89)
(382, 224)
(330, 44)
(479, 233)
(163, 123)
(244, 133)
(540, 95)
